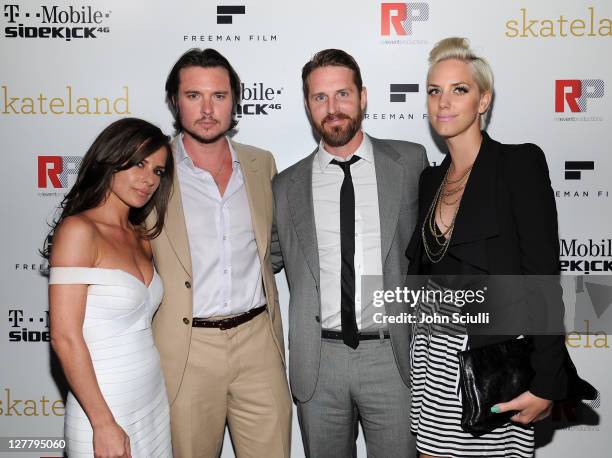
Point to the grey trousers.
(361, 385)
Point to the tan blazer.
(172, 322)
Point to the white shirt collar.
(364, 151)
(181, 155)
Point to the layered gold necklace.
(445, 195)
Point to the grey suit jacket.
(294, 247)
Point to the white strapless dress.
(117, 330)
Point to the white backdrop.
(68, 71)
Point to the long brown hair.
(121, 145)
(205, 58)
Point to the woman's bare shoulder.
(74, 242)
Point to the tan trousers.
(235, 375)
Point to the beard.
(337, 136)
(204, 140)
(201, 139)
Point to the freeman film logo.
(57, 172)
(576, 96)
(399, 93)
(400, 20)
(55, 22)
(32, 267)
(28, 328)
(578, 180)
(225, 13)
(222, 31)
(574, 169)
(257, 99)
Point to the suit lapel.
(389, 178)
(251, 173)
(389, 183)
(175, 223)
(477, 216)
(301, 207)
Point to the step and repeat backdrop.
(69, 68)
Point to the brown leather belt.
(228, 323)
(337, 335)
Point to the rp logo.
(575, 93)
(402, 17)
(57, 170)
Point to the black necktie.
(350, 335)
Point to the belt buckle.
(226, 324)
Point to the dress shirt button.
(187, 284)
(225, 237)
(186, 320)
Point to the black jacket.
(507, 226)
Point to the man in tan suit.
(219, 330)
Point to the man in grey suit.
(343, 219)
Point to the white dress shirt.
(226, 269)
(326, 182)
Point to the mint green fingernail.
(495, 409)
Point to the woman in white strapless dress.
(104, 291)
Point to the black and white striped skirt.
(435, 414)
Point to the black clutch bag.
(498, 373)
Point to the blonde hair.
(459, 48)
